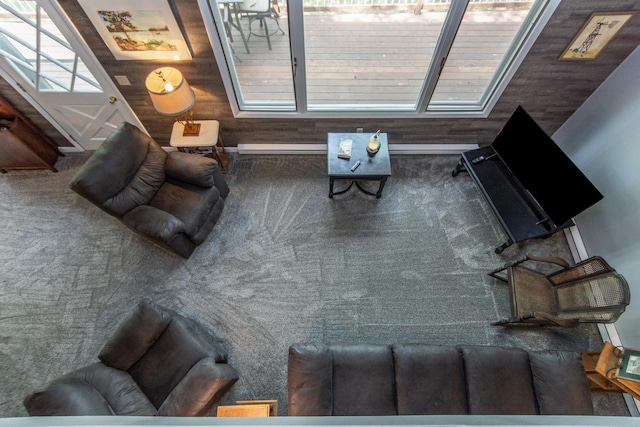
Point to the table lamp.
(172, 96)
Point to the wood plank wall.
(549, 89)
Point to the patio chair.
(587, 292)
(259, 10)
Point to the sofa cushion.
(134, 336)
(189, 203)
(143, 185)
(309, 380)
(191, 169)
(418, 368)
(124, 172)
(154, 223)
(204, 384)
(560, 383)
(363, 380)
(498, 381)
(162, 367)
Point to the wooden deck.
(375, 58)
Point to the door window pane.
(260, 65)
(35, 47)
(487, 31)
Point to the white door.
(43, 57)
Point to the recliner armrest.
(199, 389)
(67, 396)
(152, 222)
(191, 169)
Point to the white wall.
(603, 138)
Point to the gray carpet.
(285, 264)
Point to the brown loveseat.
(156, 363)
(418, 379)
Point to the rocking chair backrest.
(598, 298)
(587, 268)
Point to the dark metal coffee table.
(376, 168)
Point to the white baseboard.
(70, 150)
(282, 148)
(322, 148)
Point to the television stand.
(520, 216)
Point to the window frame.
(513, 58)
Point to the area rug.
(284, 264)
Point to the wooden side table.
(598, 366)
(206, 143)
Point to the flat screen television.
(543, 169)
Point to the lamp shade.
(169, 91)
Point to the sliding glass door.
(372, 56)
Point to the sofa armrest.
(560, 382)
(67, 396)
(191, 169)
(154, 223)
(309, 380)
(204, 384)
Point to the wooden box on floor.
(250, 408)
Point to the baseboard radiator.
(322, 148)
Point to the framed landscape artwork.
(596, 33)
(144, 29)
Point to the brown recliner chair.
(156, 363)
(172, 198)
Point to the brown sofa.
(418, 379)
(156, 363)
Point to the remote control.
(355, 165)
(482, 158)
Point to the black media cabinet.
(519, 214)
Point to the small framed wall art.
(629, 365)
(595, 34)
(144, 29)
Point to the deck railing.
(21, 6)
(329, 3)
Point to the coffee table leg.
(383, 180)
(331, 180)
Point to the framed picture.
(630, 365)
(144, 29)
(596, 33)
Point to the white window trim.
(472, 110)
